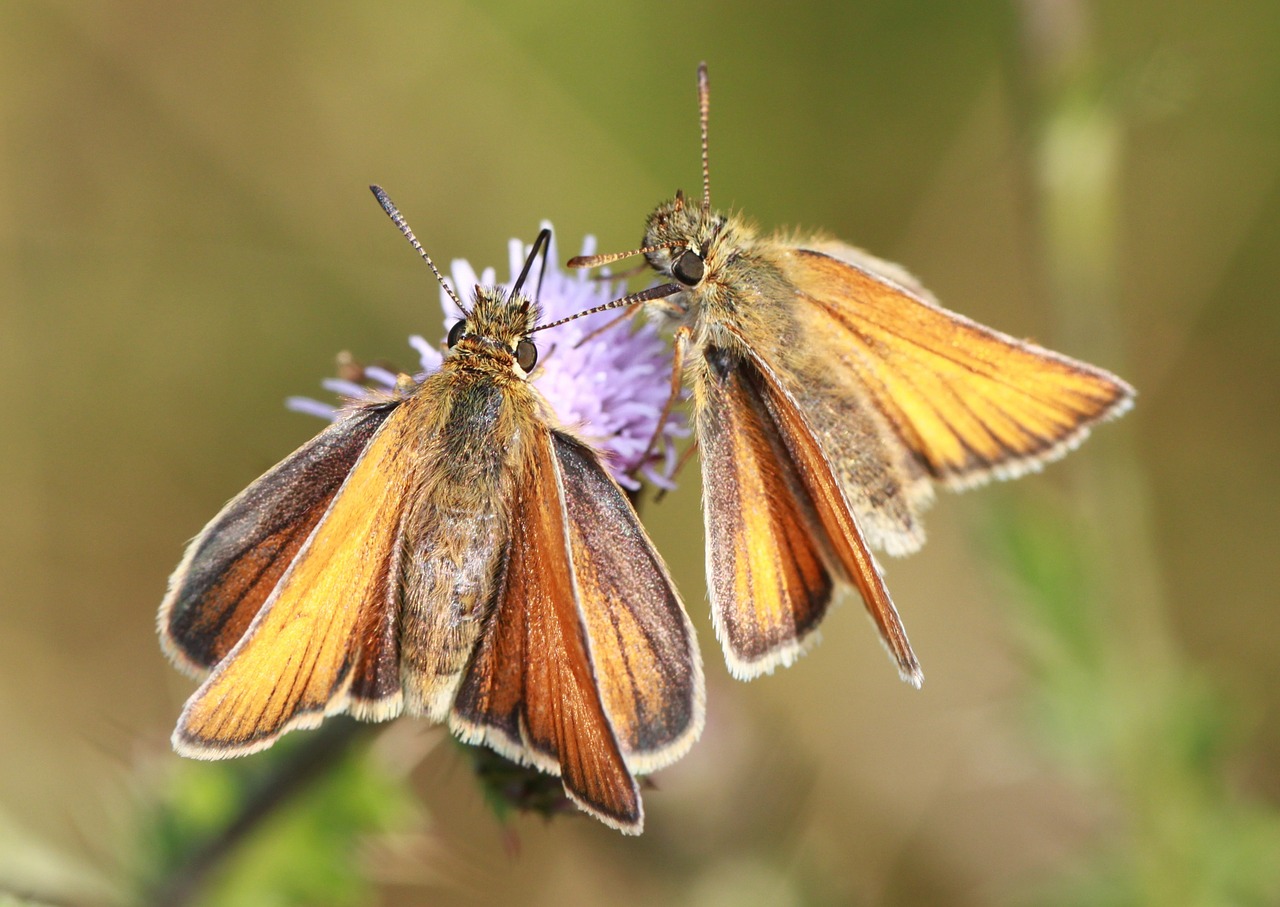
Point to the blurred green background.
(186, 238)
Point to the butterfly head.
(683, 241)
(494, 335)
(496, 332)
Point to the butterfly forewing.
(642, 646)
(768, 577)
(970, 402)
(298, 658)
(830, 504)
(531, 690)
(235, 562)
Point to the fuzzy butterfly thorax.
(728, 277)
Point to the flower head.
(609, 389)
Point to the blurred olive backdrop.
(186, 238)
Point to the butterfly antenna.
(398, 219)
(631, 299)
(542, 272)
(542, 242)
(595, 261)
(704, 107)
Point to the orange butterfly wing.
(767, 574)
(531, 692)
(777, 524)
(643, 649)
(302, 652)
(970, 402)
(230, 569)
(845, 536)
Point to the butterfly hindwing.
(885, 487)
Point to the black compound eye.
(688, 268)
(455, 333)
(526, 355)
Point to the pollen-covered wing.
(970, 402)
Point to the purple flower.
(609, 390)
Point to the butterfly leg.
(684, 461)
(680, 342)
